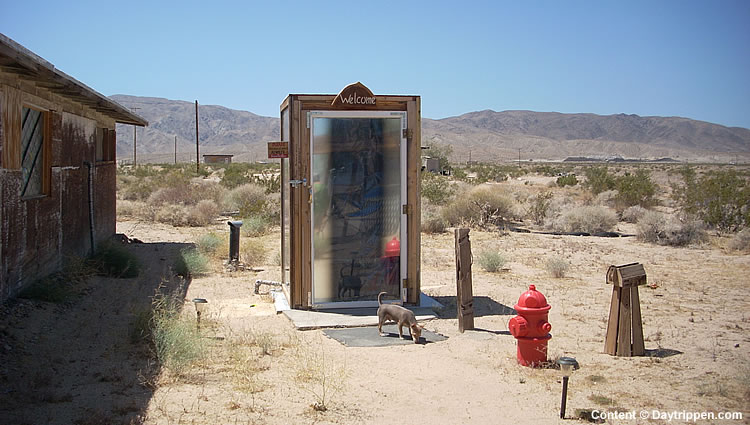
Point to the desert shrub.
(252, 252)
(633, 214)
(557, 267)
(270, 181)
(191, 262)
(482, 207)
(249, 199)
(720, 199)
(589, 219)
(202, 213)
(606, 198)
(176, 215)
(114, 260)
(436, 188)
(658, 228)
(272, 209)
(235, 174)
(598, 179)
(569, 180)
(540, 206)
(127, 208)
(635, 189)
(209, 243)
(255, 226)
(434, 223)
(491, 261)
(740, 241)
(51, 289)
(177, 340)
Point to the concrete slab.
(345, 318)
(369, 336)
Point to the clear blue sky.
(669, 58)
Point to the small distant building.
(430, 164)
(217, 159)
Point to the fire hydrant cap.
(393, 248)
(532, 299)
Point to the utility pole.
(197, 151)
(134, 138)
(175, 149)
(519, 157)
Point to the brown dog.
(401, 316)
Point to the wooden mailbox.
(350, 198)
(625, 328)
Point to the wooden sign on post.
(464, 297)
(278, 150)
(625, 329)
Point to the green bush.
(598, 179)
(569, 180)
(540, 206)
(255, 226)
(114, 260)
(436, 188)
(191, 262)
(209, 243)
(635, 189)
(50, 289)
(658, 228)
(177, 340)
(249, 199)
(491, 261)
(590, 219)
(720, 199)
(483, 207)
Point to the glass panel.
(356, 184)
(32, 138)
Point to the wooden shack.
(350, 198)
(217, 159)
(57, 167)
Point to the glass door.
(358, 185)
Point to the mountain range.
(483, 135)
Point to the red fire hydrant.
(531, 327)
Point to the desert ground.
(78, 362)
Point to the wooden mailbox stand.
(305, 183)
(464, 296)
(625, 329)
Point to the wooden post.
(625, 328)
(464, 297)
(197, 152)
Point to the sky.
(667, 58)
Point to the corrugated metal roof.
(21, 61)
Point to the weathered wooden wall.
(37, 234)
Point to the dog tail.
(380, 295)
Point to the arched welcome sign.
(350, 198)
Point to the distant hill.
(221, 130)
(485, 135)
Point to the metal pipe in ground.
(234, 241)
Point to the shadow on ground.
(83, 360)
(483, 306)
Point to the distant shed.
(57, 140)
(217, 159)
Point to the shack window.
(32, 152)
(105, 145)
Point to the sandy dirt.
(76, 362)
